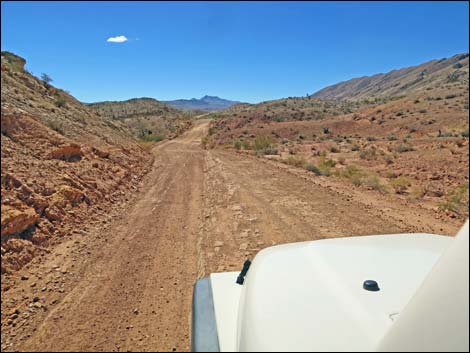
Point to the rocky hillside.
(206, 103)
(413, 146)
(405, 81)
(148, 118)
(61, 164)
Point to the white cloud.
(117, 39)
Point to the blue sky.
(237, 50)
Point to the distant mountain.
(431, 74)
(206, 103)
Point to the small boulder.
(70, 153)
(15, 221)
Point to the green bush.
(152, 137)
(313, 168)
(237, 144)
(325, 165)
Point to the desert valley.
(111, 210)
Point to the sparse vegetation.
(46, 79)
(204, 142)
(313, 168)
(400, 184)
(150, 137)
(368, 154)
(296, 161)
(404, 147)
(60, 102)
(56, 125)
(457, 200)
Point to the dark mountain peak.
(207, 103)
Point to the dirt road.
(198, 211)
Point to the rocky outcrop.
(15, 221)
(61, 164)
(70, 153)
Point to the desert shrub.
(269, 151)
(371, 138)
(313, 168)
(404, 147)
(325, 165)
(450, 96)
(279, 119)
(204, 142)
(350, 172)
(60, 102)
(392, 137)
(237, 144)
(326, 130)
(152, 137)
(369, 154)
(464, 133)
(262, 142)
(444, 134)
(334, 149)
(339, 138)
(56, 125)
(374, 182)
(246, 145)
(46, 79)
(388, 159)
(416, 101)
(296, 161)
(457, 200)
(418, 192)
(400, 184)
(211, 131)
(355, 148)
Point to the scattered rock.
(243, 246)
